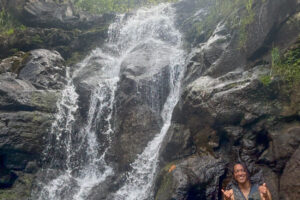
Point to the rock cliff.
(232, 105)
(227, 113)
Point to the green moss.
(165, 188)
(20, 190)
(165, 183)
(13, 50)
(19, 64)
(74, 58)
(238, 14)
(245, 21)
(8, 195)
(288, 65)
(9, 24)
(45, 101)
(36, 39)
(266, 80)
(9, 31)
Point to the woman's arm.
(264, 192)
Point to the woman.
(243, 189)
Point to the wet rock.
(52, 14)
(229, 117)
(144, 88)
(21, 188)
(177, 144)
(272, 181)
(31, 167)
(21, 95)
(44, 69)
(13, 63)
(191, 178)
(289, 187)
(284, 142)
(270, 16)
(71, 44)
(138, 126)
(52, 25)
(7, 178)
(26, 115)
(221, 47)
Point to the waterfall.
(75, 160)
(75, 157)
(140, 180)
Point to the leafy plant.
(275, 55)
(288, 65)
(8, 24)
(266, 79)
(245, 21)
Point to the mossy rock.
(20, 63)
(45, 101)
(165, 182)
(20, 190)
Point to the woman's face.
(240, 173)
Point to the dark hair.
(233, 181)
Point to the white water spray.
(140, 180)
(77, 159)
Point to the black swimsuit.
(253, 194)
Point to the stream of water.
(75, 157)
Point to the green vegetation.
(20, 190)
(239, 14)
(287, 66)
(113, 6)
(266, 80)
(19, 64)
(165, 182)
(36, 39)
(8, 24)
(245, 21)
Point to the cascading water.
(140, 180)
(75, 159)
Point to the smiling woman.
(243, 189)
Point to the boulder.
(53, 14)
(195, 177)
(29, 90)
(44, 69)
(289, 186)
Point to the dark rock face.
(193, 178)
(140, 99)
(227, 112)
(50, 13)
(44, 70)
(288, 181)
(27, 104)
(69, 43)
(222, 50)
(52, 25)
(238, 120)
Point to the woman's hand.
(264, 192)
(227, 194)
